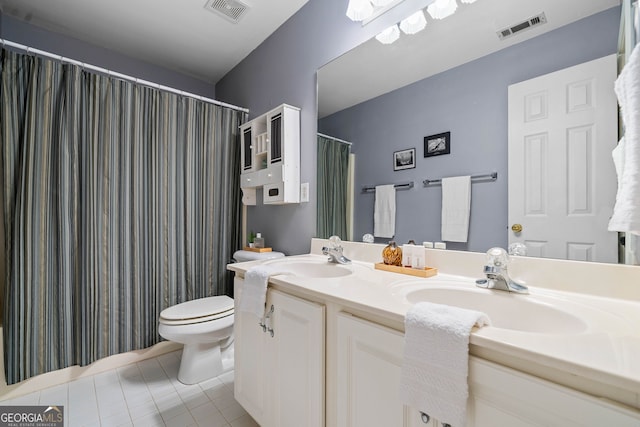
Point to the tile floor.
(145, 394)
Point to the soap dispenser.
(258, 241)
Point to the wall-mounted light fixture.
(367, 10)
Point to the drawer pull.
(425, 417)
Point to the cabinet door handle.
(263, 321)
(267, 318)
(425, 417)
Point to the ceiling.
(180, 35)
(373, 69)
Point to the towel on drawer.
(436, 360)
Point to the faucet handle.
(497, 257)
(518, 248)
(335, 241)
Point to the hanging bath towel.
(456, 205)
(626, 212)
(384, 215)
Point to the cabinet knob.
(425, 417)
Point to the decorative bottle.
(392, 254)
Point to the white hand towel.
(456, 206)
(436, 360)
(384, 214)
(254, 289)
(626, 212)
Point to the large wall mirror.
(454, 77)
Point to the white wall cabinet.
(279, 369)
(270, 156)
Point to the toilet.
(205, 327)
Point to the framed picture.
(436, 145)
(404, 159)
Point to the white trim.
(30, 50)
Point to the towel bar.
(372, 188)
(487, 176)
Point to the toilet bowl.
(205, 327)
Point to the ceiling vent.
(521, 26)
(231, 10)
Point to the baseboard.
(71, 373)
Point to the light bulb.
(413, 23)
(359, 10)
(440, 9)
(389, 35)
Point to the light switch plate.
(304, 192)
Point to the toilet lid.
(197, 309)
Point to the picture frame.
(437, 145)
(404, 159)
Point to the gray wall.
(283, 70)
(30, 35)
(471, 102)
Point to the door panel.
(562, 181)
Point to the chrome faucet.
(335, 251)
(497, 274)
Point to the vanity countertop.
(601, 357)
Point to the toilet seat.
(198, 311)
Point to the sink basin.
(312, 268)
(524, 313)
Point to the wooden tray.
(426, 272)
(247, 248)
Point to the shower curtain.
(332, 179)
(119, 201)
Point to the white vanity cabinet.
(280, 380)
(369, 364)
(501, 396)
(279, 369)
(270, 156)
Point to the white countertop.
(602, 359)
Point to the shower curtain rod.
(118, 75)
(336, 139)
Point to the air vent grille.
(521, 26)
(231, 10)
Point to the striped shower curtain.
(119, 200)
(332, 179)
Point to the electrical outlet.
(304, 192)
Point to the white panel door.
(296, 362)
(369, 368)
(562, 181)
